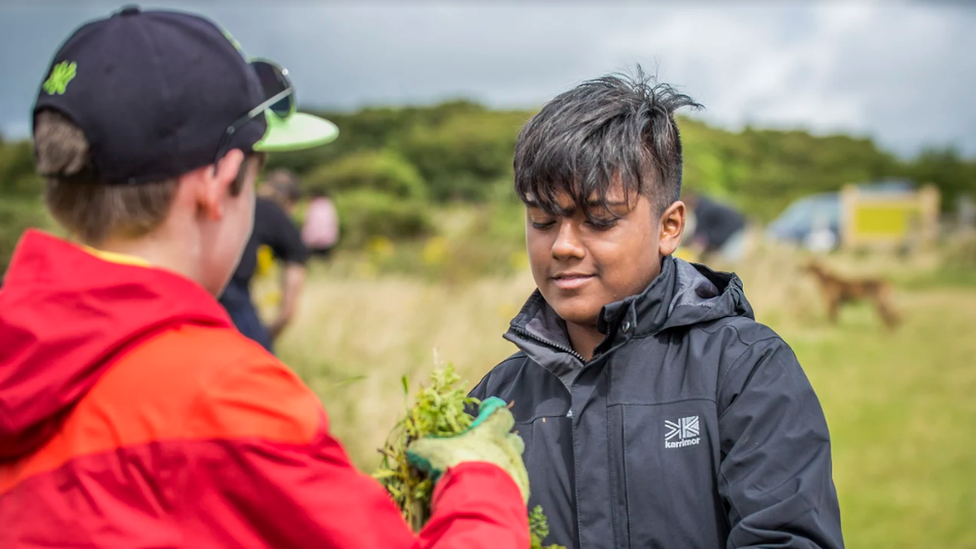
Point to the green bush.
(364, 214)
(383, 171)
(17, 174)
(493, 244)
(16, 216)
(762, 171)
(462, 156)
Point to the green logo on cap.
(61, 74)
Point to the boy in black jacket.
(656, 412)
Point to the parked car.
(814, 222)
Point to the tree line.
(391, 164)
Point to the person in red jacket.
(132, 413)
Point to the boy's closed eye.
(540, 219)
(600, 217)
(597, 223)
(602, 223)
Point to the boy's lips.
(571, 281)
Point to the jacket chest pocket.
(663, 461)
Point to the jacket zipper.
(525, 333)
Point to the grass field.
(901, 406)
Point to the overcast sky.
(903, 73)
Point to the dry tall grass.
(354, 339)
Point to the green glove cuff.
(488, 407)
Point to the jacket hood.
(682, 295)
(65, 315)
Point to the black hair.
(614, 126)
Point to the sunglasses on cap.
(279, 97)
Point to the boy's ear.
(672, 227)
(214, 181)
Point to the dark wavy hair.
(617, 126)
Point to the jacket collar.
(683, 294)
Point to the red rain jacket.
(133, 414)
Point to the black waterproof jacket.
(693, 426)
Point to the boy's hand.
(489, 439)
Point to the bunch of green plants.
(439, 409)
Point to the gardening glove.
(489, 439)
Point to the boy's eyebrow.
(608, 203)
(591, 203)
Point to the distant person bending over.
(273, 227)
(320, 233)
(720, 230)
(656, 411)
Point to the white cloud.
(862, 68)
(743, 68)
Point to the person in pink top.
(320, 232)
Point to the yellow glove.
(489, 439)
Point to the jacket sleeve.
(775, 473)
(292, 484)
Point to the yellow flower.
(435, 250)
(380, 246)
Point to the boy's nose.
(567, 244)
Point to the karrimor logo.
(681, 433)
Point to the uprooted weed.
(439, 409)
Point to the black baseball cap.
(161, 93)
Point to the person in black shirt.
(720, 230)
(274, 228)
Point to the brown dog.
(838, 291)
